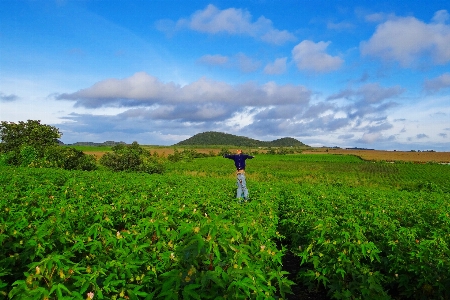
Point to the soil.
(390, 156)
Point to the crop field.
(358, 230)
(369, 155)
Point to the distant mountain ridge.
(220, 138)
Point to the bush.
(69, 159)
(131, 158)
(186, 155)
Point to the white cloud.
(232, 21)
(371, 137)
(277, 67)
(310, 56)
(408, 40)
(277, 37)
(145, 90)
(441, 16)
(438, 83)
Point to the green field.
(361, 230)
(90, 148)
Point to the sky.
(366, 74)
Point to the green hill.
(219, 138)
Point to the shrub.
(186, 155)
(131, 158)
(69, 159)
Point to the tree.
(25, 136)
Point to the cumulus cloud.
(438, 83)
(310, 56)
(408, 40)
(371, 137)
(441, 16)
(277, 67)
(203, 99)
(277, 37)
(250, 109)
(8, 98)
(232, 21)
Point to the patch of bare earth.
(379, 155)
(97, 154)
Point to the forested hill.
(219, 138)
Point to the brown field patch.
(379, 155)
(97, 154)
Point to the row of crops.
(361, 230)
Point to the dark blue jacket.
(239, 160)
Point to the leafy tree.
(131, 158)
(23, 142)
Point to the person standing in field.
(239, 161)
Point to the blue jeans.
(241, 186)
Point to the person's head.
(239, 151)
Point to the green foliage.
(28, 155)
(68, 158)
(219, 138)
(185, 155)
(31, 134)
(223, 152)
(131, 158)
(362, 230)
(67, 234)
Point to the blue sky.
(369, 74)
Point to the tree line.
(32, 144)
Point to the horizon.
(287, 137)
(348, 73)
